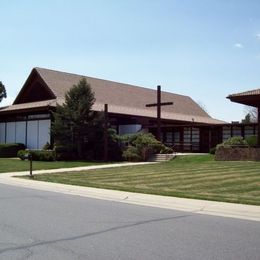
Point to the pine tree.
(74, 119)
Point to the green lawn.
(193, 176)
(14, 165)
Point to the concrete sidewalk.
(224, 209)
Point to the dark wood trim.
(26, 131)
(5, 131)
(243, 131)
(258, 134)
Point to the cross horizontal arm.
(161, 104)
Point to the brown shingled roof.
(250, 98)
(246, 93)
(126, 99)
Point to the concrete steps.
(160, 157)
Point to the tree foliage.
(247, 119)
(74, 119)
(2, 91)
(141, 146)
(252, 111)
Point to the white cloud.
(238, 45)
(257, 36)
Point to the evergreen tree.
(74, 119)
(2, 91)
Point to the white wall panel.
(32, 134)
(44, 132)
(10, 132)
(20, 133)
(2, 133)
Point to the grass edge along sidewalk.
(195, 176)
(17, 165)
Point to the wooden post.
(30, 161)
(105, 132)
(159, 113)
(258, 134)
(210, 137)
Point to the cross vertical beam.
(105, 132)
(159, 104)
(258, 126)
(159, 113)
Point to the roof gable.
(34, 89)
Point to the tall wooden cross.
(159, 104)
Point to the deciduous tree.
(2, 91)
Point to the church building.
(184, 125)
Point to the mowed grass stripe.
(154, 172)
(162, 179)
(170, 176)
(188, 176)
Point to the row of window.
(229, 131)
(34, 133)
(191, 138)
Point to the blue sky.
(205, 49)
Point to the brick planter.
(233, 153)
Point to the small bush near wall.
(10, 150)
(131, 154)
(22, 154)
(37, 155)
(237, 149)
(212, 150)
(43, 155)
(235, 140)
(141, 146)
(251, 140)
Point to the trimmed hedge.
(10, 150)
(37, 155)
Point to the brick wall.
(237, 154)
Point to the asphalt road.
(48, 225)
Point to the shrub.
(64, 152)
(10, 150)
(165, 149)
(141, 146)
(47, 146)
(212, 150)
(235, 140)
(42, 155)
(251, 140)
(22, 154)
(37, 155)
(132, 154)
